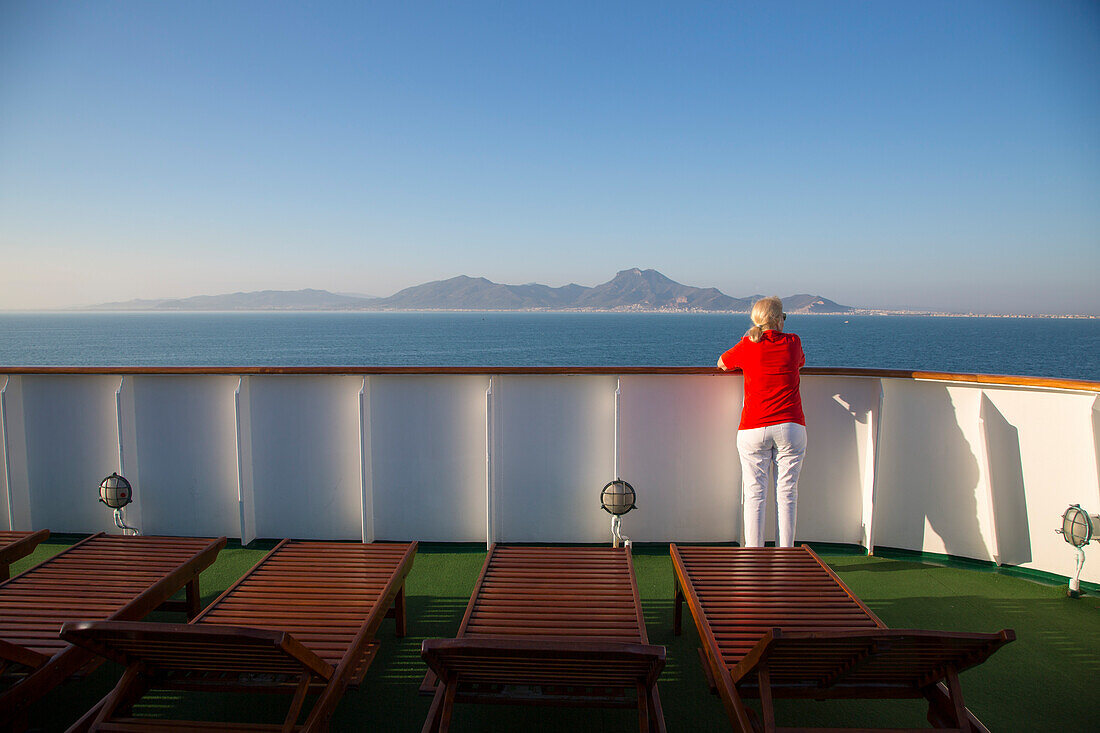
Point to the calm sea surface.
(1031, 346)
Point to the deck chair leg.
(767, 705)
(399, 613)
(121, 700)
(124, 694)
(955, 690)
(194, 599)
(448, 710)
(656, 714)
(739, 715)
(945, 704)
(442, 708)
(677, 607)
(296, 704)
(431, 723)
(643, 708)
(948, 711)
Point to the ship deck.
(1042, 681)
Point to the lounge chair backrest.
(538, 662)
(878, 663)
(183, 649)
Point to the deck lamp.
(116, 492)
(618, 498)
(1078, 529)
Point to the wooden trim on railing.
(1007, 380)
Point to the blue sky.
(886, 154)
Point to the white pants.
(782, 446)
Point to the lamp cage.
(618, 497)
(1078, 526)
(115, 491)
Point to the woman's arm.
(730, 360)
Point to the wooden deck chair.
(100, 577)
(552, 626)
(303, 618)
(17, 545)
(779, 623)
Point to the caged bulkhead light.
(116, 492)
(617, 498)
(1078, 529)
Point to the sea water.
(1049, 347)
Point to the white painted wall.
(305, 457)
(978, 471)
(1042, 459)
(931, 493)
(188, 464)
(70, 436)
(839, 438)
(678, 449)
(553, 452)
(427, 448)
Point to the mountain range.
(632, 289)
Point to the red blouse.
(771, 378)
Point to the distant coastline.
(668, 311)
(630, 291)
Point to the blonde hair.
(766, 314)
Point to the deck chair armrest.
(755, 656)
(20, 548)
(206, 647)
(10, 652)
(446, 656)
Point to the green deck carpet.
(1042, 681)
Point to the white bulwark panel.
(553, 453)
(305, 456)
(427, 457)
(70, 428)
(1040, 443)
(678, 449)
(931, 493)
(840, 423)
(186, 448)
(976, 469)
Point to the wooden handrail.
(994, 379)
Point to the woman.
(773, 428)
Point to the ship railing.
(974, 466)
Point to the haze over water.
(1027, 346)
